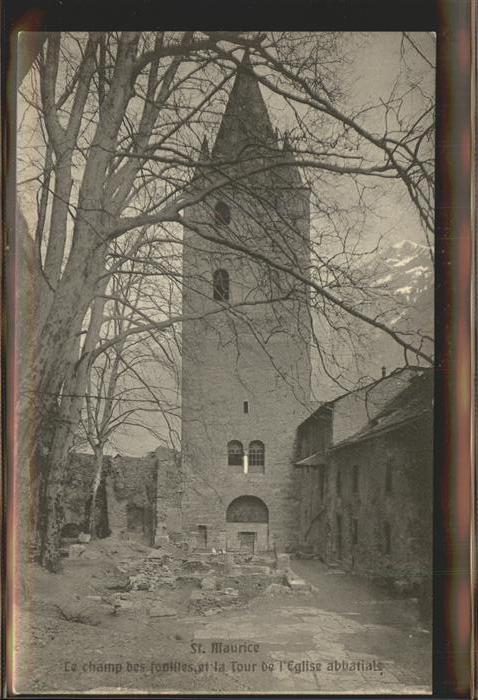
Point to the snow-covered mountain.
(402, 278)
(405, 273)
(408, 271)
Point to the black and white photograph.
(224, 359)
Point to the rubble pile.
(207, 602)
(157, 571)
(173, 580)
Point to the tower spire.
(246, 120)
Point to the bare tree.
(122, 119)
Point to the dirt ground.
(85, 630)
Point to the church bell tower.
(245, 339)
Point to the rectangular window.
(355, 478)
(387, 538)
(202, 537)
(389, 478)
(354, 531)
(246, 406)
(339, 536)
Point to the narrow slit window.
(354, 531)
(245, 406)
(387, 538)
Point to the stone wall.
(224, 364)
(169, 492)
(401, 514)
(370, 522)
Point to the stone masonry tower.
(245, 344)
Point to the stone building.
(365, 478)
(246, 368)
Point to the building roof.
(413, 402)
(329, 405)
(315, 460)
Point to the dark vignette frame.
(453, 667)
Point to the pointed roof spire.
(204, 153)
(286, 146)
(246, 58)
(246, 120)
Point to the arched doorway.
(247, 522)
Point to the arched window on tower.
(235, 453)
(257, 457)
(220, 285)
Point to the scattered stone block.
(161, 539)
(195, 565)
(166, 581)
(160, 610)
(231, 592)
(195, 579)
(69, 540)
(276, 589)
(118, 583)
(85, 613)
(296, 583)
(235, 570)
(283, 562)
(75, 551)
(208, 583)
(158, 554)
(229, 563)
(84, 537)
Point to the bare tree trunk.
(53, 477)
(98, 451)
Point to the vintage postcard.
(224, 362)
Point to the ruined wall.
(131, 495)
(78, 492)
(169, 491)
(126, 496)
